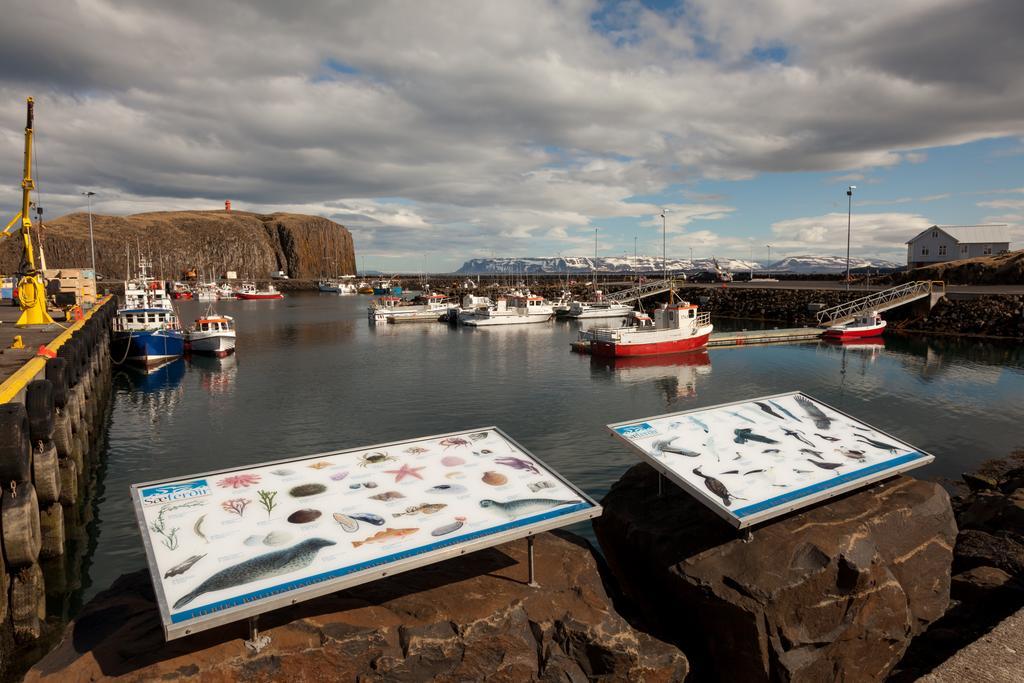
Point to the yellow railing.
(17, 382)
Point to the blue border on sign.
(240, 600)
(825, 485)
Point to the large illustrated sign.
(754, 460)
(231, 544)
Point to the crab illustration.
(453, 441)
(416, 450)
(374, 458)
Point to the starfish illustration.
(404, 470)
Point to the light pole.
(769, 259)
(92, 246)
(664, 245)
(849, 218)
(634, 258)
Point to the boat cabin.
(214, 324)
(142, 319)
(677, 316)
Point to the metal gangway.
(882, 301)
(644, 290)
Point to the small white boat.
(249, 291)
(336, 287)
(598, 309)
(516, 310)
(212, 334)
(393, 309)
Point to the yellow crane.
(31, 289)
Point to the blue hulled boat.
(146, 330)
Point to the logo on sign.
(158, 495)
(634, 432)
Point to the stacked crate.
(79, 281)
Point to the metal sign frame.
(787, 502)
(408, 560)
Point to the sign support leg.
(256, 642)
(660, 479)
(532, 583)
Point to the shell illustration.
(277, 538)
(306, 490)
(282, 472)
(346, 522)
(452, 461)
(338, 476)
(494, 478)
(304, 516)
(253, 540)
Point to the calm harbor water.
(311, 375)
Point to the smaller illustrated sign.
(754, 460)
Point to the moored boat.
(249, 291)
(212, 334)
(867, 324)
(515, 310)
(675, 328)
(146, 330)
(598, 309)
(393, 309)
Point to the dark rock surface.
(254, 245)
(989, 316)
(833, 592)
(467, 619)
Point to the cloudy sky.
(440, 131)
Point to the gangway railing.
(880, 301)
(644, 290)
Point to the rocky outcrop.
(254, 245)
(468, 619)
(1001, 269)
(833, 592)
(989, 316)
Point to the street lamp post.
(849, 218)
(769, 259)
(92, 245)
(664, 245)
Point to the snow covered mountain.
(652, 264)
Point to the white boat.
(393, 309)
(225, 291)
(213, 334)
(250, 292)
(867, 324)
(598, 309)
(516, 310)
(336, 287)
(469, 307)
(563, 304)
(676, 328)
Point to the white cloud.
(871, 234)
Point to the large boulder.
(835, 591)
(467, 619)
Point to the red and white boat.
(676, 328)
(868, 324)
(213, 334)
(249, 291)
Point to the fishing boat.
(563, 304)
(249, 291)
(675, 328)
(336, 287)
(471, 304)
(598, 309)
(393, 309)
(206, 291)
(386, 288)
(180, 290)
(514, 310)
(146, 330)
(212, 334)
(364, 287)
(867, 324)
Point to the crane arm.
(11, 227)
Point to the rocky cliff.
(252, 244)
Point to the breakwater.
(52, 419)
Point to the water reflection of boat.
(676, 375)
(158, 378)
(216, 375)
(854, 343)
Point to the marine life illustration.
(363, 484)
(821, 420)
(453, 441)
(265, 566)
(277, 538)
(740, 416)
(525, 506)
(416, 450)
(236, 506)
(877, 444)
(425, 508)
(540, 485)
(304, 516)
(827, 438)
(699, 424)
(448, 528)
(320, 465)
(479, 436)
(453, 489)
(452, 461)
(852, 454)
(483, 451)
(304, 490)
(347, 523)
(665, 446)
(267, 500)
(675, 425)
(338, 476)
(782, 409)
(239, 481)
(374, 458)
(746, 434)
(405, 471)
(253, 540)
(494, 479)
(753, 472)
(716, 487)
(384, 535)
(729, 472)
(863, 429)
(197, 528)
(811, 451)
(282, 472)
(517, 464)
(387, 495)
(771, 450)
(367, 517)
(454, 475)
(798, 435)
(768, 409)
(183, 567)
(826, 465)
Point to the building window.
(924, 251)
(963, 248)
(987, 250)
(942, 250)
(935, 234)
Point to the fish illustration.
(524, 506)
(740, 416)
(878, 444)
(449, 528)
(387, 495)
(771, 450)
(479, 436)
(716, 487)
(347, 523)
(752, 472)
(768, 409)
(425, 508)
(851, 454)
(265, 566)
(367, 517)
(788, 414)
(827, 438)
(821, 420)
(747, 434)
(811, 451)
(665, 446)
(798, 435)
(729, 472)
(384, 535)
(198, 528)
(454, 489)
(699, 424)
(826, 465)
(517, 464)
(183, 566)
(863, 429)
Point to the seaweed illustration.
(236, 506)
(170, 536)
(267, 500)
